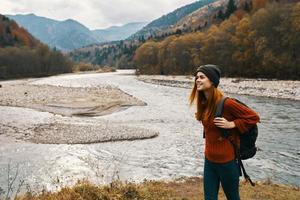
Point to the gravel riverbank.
(257, 87)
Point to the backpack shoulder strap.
(219, 113)
(220, 107)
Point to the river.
(176, 152)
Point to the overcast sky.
(94, 14)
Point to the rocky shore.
(258, 87)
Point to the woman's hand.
(223, 123)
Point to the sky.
(94, 14)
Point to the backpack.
(247, 140)
(247, 147)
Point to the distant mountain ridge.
(114, 33)
(64, 35)
(69, 34)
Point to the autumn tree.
(146, 58)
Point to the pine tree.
(231, 7)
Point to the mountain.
(118, 32)
(69, 34)
(120, 53)
(170, 19)
(64, 35)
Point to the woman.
(220, 165)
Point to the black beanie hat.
(212, 72)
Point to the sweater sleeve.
(245, 118)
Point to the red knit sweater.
(217, 148)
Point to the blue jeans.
(227, 174)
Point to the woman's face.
(202, 82)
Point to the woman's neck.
(207, 93)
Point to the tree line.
(17, 62)
(264, 42)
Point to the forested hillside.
(13, 35)
(21, 55)
(263, 42)
(118, 54)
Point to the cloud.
(94, 14)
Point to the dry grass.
(181, 189)
(85, 67)
(105, 69)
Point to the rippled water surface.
(176, 152)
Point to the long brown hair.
(205, 107)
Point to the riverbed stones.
(59, 133)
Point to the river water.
(176, 152)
